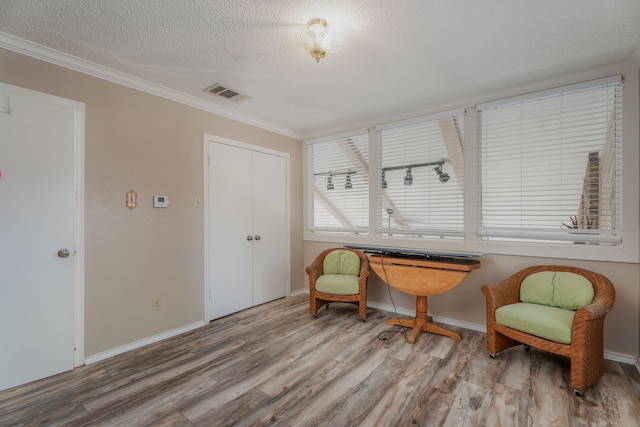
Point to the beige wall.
(466, 302)
(138, 141)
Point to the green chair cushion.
(341, 262)
(572, 291)
(561, 289)
(552, 323)
(338, 284)
(537, 288)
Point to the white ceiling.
(398, 56)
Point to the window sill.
(618, 253)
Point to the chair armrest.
(501, 293)
(600, 306)
(592, 311)
(364, 273)
(315, 269)
(364, 266)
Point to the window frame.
(531, 102)
(309, 175)
(446, 162)
(627, 251)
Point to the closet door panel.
(230, 222)
(270, 254)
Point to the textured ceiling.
(398, 56)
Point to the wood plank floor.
(275, 365)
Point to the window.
(539, 174)
(339, 183)
(422, 177)
(551, 165)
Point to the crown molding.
(43, 53)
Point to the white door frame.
(207, 203)
(78, 257)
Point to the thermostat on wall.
(160, 202)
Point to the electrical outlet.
(156, 304)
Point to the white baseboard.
(141, 343)
(620, 357)
(300, 292)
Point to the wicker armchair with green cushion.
(555, 308)
(339, 275)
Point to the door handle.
(63, 253)
(249, 238)
(257, 237)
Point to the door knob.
(249, 237)
(63, 253)
(257, 237)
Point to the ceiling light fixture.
(318, 39)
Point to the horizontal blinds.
(551, 166)
(339, 179)
(425, 204)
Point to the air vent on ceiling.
(224, 92)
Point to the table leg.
(422, 323)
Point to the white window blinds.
(550, 165)
(422, 176)
(339, 176)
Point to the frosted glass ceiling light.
(318, 39)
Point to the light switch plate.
(160, 202)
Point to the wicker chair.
(585, 350)
(317, 298)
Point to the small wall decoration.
(132, 199)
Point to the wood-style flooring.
(275, 365)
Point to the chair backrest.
(341, 261)
(562, 289)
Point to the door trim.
(206, 204)
(79, 255)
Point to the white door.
(38, 136)
(231, 237)
(247, 228)
(270, 247)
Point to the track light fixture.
(408, 178)
(330, 185)
(443, 176)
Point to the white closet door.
(230, 222)
(270, 252)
